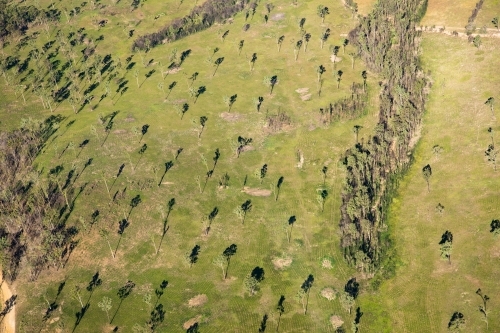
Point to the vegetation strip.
(388, 42)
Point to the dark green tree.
(217, 63)
(279, 41)
(446, 245)
(427, 173)
(322, 11)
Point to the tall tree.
(491, 102)
(427, 173)
(307, 38)
(217, 63)
(281, 310)
(322, 11)
(446, 245)
(320, 70)
(279, 41)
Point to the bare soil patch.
(257, 192)
(335, 59)
(232, 117)
(119, 131)
(278, 16)
(198, 300)
(129, 119)
(302, 91)
(281, 263)
(328, 293)
(336, 321)
(191, 322)
(173, 70)
(306, 97)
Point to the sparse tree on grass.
(446, 246)
(477, 41)
(192, 257)
(307, 38)
(263, 172)
(141, 153)
(271, 82)
(427, 173)
(495, 227)
(324, 171)
(482, 308)
(251, 284)
(200, 91)
(302, 21)
(144, 130)
(457, 322)
(252, 61)
(203, 121)
(281, 310)
(224, 35)
(291, 221)
(105, 305)
(346, 301)
(364, 75)
(171, 86)
(356, 130)
(491, 154)
(240, 46)
(156, 317)
(123, 293)
(320, 70)
(344, 44)
(324, 36)
(496, 22)
(296, 49)
(136, 75)
(217, 63)
(339, 78)
(322, 11)
(279, 42)
(258, 102)
(278, 187)
(491, 103)
(322, 194)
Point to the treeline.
(15, 18)
(346, 108)
(388, 43)
(33, 208)
(200, 18)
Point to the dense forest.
(388, 42)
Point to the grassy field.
(427, 290)
(262, 239)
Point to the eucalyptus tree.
(240, 46)
(491, 103)
(278, 187)
(495, 227)
(344, 44)
(280, 41)
(307, 38)
(217, 63)
(171, 86)
(200, 91)
(356, 129)
(364, 75)
(322, 11)
(446, 246)
(320, 70)
(496, 22)
(203, 122)
(281, 309)
(482, 308)
(427, 173)
(339, 78)
(252, 61)
(296, 49)
(324, 36)
(303, 294)
(302, 21)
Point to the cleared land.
(427, 290)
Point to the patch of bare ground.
(306, 97)
(191, 322)
(335, 59)
(282, 263)
(8, 324)
(197, 300)
(302, 91)
(326, 263)
(336, 321)
(232, 117)
(173, 70)
(256, 192)
(328, 293)
(119, 131)
(129, 119)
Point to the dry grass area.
(448, 13)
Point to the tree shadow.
(123, 293)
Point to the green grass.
(427, 290)
(261, 238)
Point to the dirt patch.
(306, 97)
(247, 148)
(167, 183)
(302, 91)
(191, 322)
(257, 192)
(129, 119)
(328, 293)
(232, 117)
(336, 321)
(9, 321)
(281, 263)
(326, 263)
(335, 59)
(278, 16)
(173, 70)
(198, 300)
(119, 131)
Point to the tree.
(104, 234)
(307, 38)
(279, 41)
(339, 78)
(446, 245)
(322, 11)
(346, 301)
(200, 91)
(224, 35)
(156, 317)
(184, 109)
(491, 102)
(482, 308)
(291, 221)
(303, 294)
(324, 36)
(240, 46)
(171, 86)
(278, 187)
(302, 21)
(356, 129)
(258, 102)
(229, 101)
(241, 211)
(457, 322)
(496, 22)
(134, 202)
(281, 310)
(320, 70)
(123, 293)
(491, 154)
(122, 225)
(192, 257)
(271, 82)
(242, 142)
(495, 227)
(144, 130)
(477, 41)
(252, 61)
(263, 172)
(217, 63)
(427, 173)
(344, 44)
(296, 49)
(364, 75)
(105, 305)
(251, 284)
(263, 324)
(322, 194)
(203, 121)
(168, 166)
